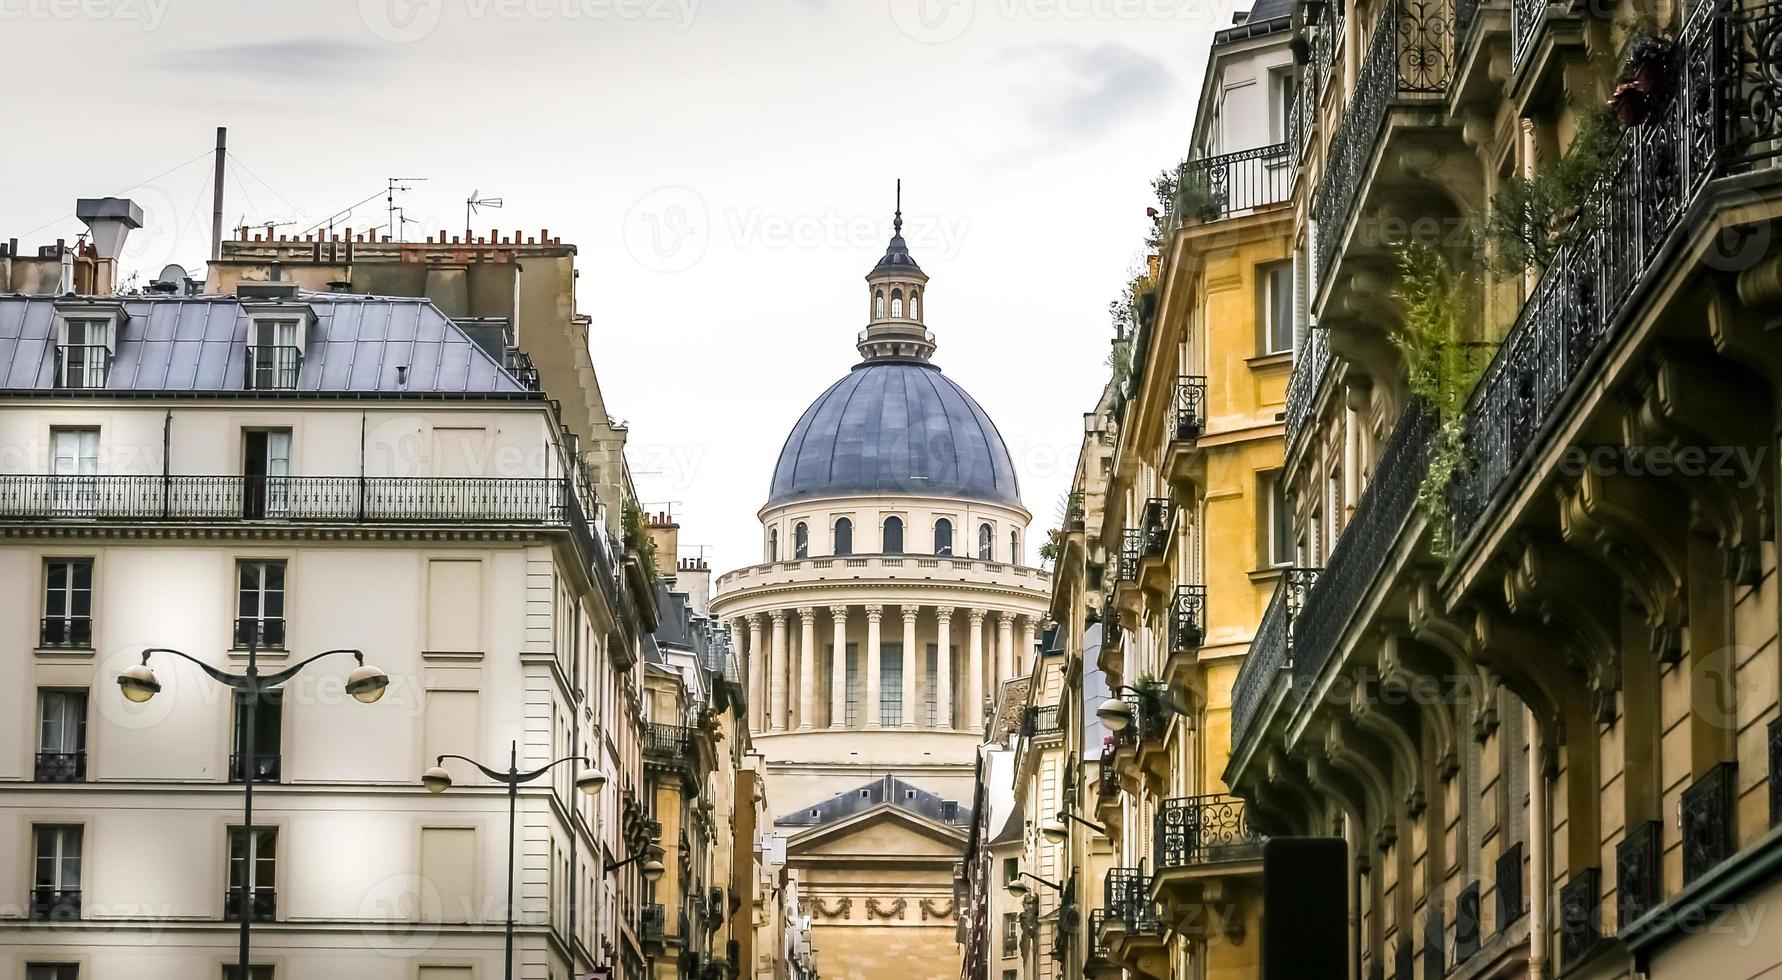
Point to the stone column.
(873, 613)
(777, 682)
(807, 666)
(909, 665)
(1029, 638)
(1005, 647)
(757, 673)
(943, 670)
(974, 678)
(838, 676)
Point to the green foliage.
(1529, 220)
(1444, 366)
(1163, 187)
(638, 539)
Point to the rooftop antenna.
(395, 184)
(897, 219)
(471, 204)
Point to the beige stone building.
(893, 597)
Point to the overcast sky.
(725, 168)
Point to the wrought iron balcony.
(1271, 651)
(1580, 917)
(1131, 546)
(49, 903)
(673, 742)
(1098, 950)
(1525, 16)
(1510, 905)
(1154, 525)
(266, 767)
(1587, 294)
(1309, 369)
(82, 366)
(262, 904)
(1149, 717)
(1107, 776)
(266, 633)
(519, 365)
(1040, 720)
(337, 499)
(273, 367)
(61, 767)
(1708, 837)
(1110, 625)
(70, 632)
(1638, 873)
(1199, 830)
(1190, 408)
(1188, 618)
(652, 923)
(1230, 184)
(1127, 899)
(1129, 735)
(1469, 918)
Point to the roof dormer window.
(86, 338)
(274, 354)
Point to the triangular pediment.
(885, 831)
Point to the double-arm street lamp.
(438, 780)
(366, 683)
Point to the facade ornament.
(937, 908)
(890, 911)
(841, 908)
(874, 612)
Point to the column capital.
(943, 612)
(756, 619)
(1007, 618)
(839, 612)
(910, 613)
(874, 612)
(977, 616)
(778, 616)
(807, 613)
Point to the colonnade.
(880, 665)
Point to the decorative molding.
(841, 909)
(892, 912)
(937, 908)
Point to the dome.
(895, 427)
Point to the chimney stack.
(110, 220)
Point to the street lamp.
(652, 868)
(1019, 889)
(438, 780)
(1058, 833)
(1116, 714)
(138, 684)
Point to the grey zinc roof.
(199, 344)
(1264, 10)
(895, 427)
(885, 790)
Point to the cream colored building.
(891, 600)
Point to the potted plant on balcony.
(1644, 78)
(1530, 219)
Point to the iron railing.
(1469, 919)
(61, 767)
(1127, 899)
(266, 633)
(273, 367)
(1040, 720)
(81, 366)
(262, 904)
(668, 741)
(652, 923)
(1154, 522)
(1190, 408)
(75, 632)
(1525, 16)
(1271, 650)
(1509, 887)
(1107, 775)
(1098, 949)
(55, 903)
(1303, 384)
(520, 367)
(266, 767)
(1188, 618)
(1708, 837)
(1638, 881)
(1131, 546)
(1197, 830)
(1211, 188)
(1129, 735)
(1588, 293)
(288, 498)
(1580, 917)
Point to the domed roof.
(897, 260)
(895, 427)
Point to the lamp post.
(366, 684)
(438, 780)
(1116, 714)
(1058, 833)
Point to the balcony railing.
(82, 366)
(55, 903)
(272, 368)
(1638, 873)
(1098, 950)
(652, 923)
(1155, 525)
(267, 633)
(1127, 900)
(1107, 775)
(1188, 618)
(1190, 408)
(1212, 188)
(73, 632)
(1040, 720)
(61, 767)
(1131, 547)
(1525, 16)
(1199, 830)
(266, 767)
(262, 904)
(1309, 369)
(1128, 736)
(1589, 291)
(1410, 54)
(1271, 651)
(288, 498)
(668, 741)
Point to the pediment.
(885, 831)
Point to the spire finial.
(897, 218)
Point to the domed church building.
(891, 601)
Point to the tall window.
(915, 305)
(1014, 547)
(844, 536)
(1275, 306)
(75, 463)
(897, 304)
(1281, 94)
(263, 971)
(67, 603)
(268, 726)
(1011, 934)
(61, 736)
(253, 872)
(260, 604)
(986, 542)
(851, 712)
(930, 677)
(273, 357)
(55, 879)
(266, 468)
(891, 684)
(893, 536)
(773, 544)
(878, 304)
(82, 360)
(943, 537)
(801, 541)
(52, 971)
(1280, 521)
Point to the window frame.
(1279, 542)
(69, 594)
(837, 545)
(251, 864)
(1275, 317)
(943, 536)
(986, 542)
(274, 639)
(885, 545)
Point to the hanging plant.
(1530, 219)
(1644, 79)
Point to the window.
(801, 541)
(1280, 520)
(1275, 305)
(844, 536)
(891, 684)
(55, 881)
(265, 472)
(273, 357)
(851, 711)
(1014, 547)
(878, 304)
(1011, 869)
(256, 971)
(893, 536)
(61, 736)
(75, 461)
(260, 604)
(915, 305)
(1281, 95)
(930, 677)
(1011, 934)
(896, 304)
(943, 537)
(773, 544)
(67, 603)
(268, 723)
(986, 541)
(52, 971)
(81, 361)
(253, 870)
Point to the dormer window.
(86, 337)
(273, 353)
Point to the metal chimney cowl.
(110, 219)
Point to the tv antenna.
(394, 213)
(471, 204)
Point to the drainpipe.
(1539, 858)
(1352, 837)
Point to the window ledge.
(241, 653)
(1269, 360)
(72, 653)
